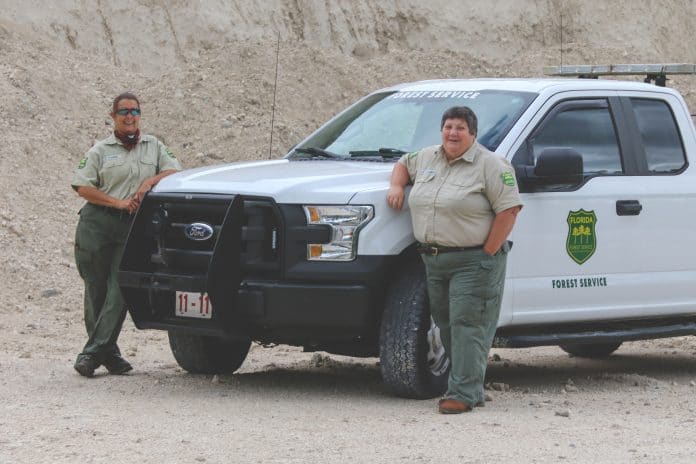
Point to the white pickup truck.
(305, 251)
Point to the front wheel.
(593, 350)
(199, 354)
(412, 358)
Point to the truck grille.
(253, 224)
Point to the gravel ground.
(287, 406)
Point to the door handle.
(628, 207)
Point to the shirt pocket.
(423, 190)
(114, 170)
(424, 176)
(111, 161)
(464, 186)
(148, 164)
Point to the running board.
(593, 336)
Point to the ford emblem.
(198, 231)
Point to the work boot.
(86, 365)
(116, 365)
(452, 406)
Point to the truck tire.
(412, 359)
(592, 350)
(198, 354)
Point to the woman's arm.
(399, 180)
(151, 182)
(97, 197)
(500, 229)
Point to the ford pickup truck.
(304, 250)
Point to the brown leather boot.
(452, 406)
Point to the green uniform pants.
(465, 289)
(99, 240)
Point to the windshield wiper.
(383, 152)
(315, 151)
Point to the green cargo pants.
(465, 289)
(99, 240)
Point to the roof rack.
(653, 72)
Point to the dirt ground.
(285, 406)
(205, 72)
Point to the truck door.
(662, 133)
(585, 252)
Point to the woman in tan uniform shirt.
(113, 177)
(463, 204)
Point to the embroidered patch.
(169, 153)
(83, 163)
(508, 178)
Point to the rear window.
(658, 129)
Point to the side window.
(658, 130)
(589, 131)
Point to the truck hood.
(324, 181)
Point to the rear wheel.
(592, 350)
(412, 358)
(207, 355)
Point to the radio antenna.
(275, 88)
(561, 40)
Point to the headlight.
(345, 222)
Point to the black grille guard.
(157, 260)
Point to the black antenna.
(275, 87)
(561, 41)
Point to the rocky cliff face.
(205, 71)
(152, 36)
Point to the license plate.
(194, 304)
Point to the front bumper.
(296, 313)
(253, 269)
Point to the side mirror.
(554, 166)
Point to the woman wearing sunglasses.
(113, 177)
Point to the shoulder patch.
(169, 152)
(508, 178)
(83, 163)
(413, 154)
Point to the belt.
(122, 214)
(434, 250)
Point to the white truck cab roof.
(536, 85)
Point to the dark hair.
(464, 113)
(123, 96)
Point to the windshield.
(390, 123)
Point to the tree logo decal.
(582, 239)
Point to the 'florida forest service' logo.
(582, 240)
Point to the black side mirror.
(558, 166)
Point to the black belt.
(434, 250)
(122, 214)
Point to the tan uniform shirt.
(454, 203)
(109, 167)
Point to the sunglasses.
(125, 111)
